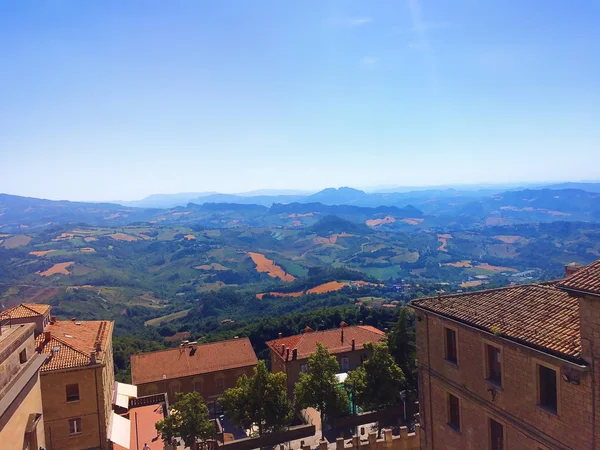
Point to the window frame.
(536, 368)
(304, 368)
(491, 418)
(23, 356)
(486, 363)
(220, 382)
(67, 393)
(77, 429)
(449, 411)
(447, 327)
(345, 359)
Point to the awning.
(120, 431)
(122, 393)
(341, 377)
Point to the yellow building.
(77, 383)
(21, 420)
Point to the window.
(304, 368)
(494, 364)
(451, 353)
(220, 382)
(74, 426)
(23, 356)
(345, 364)
(198, 386)
(72, 392)
(547, 388)
(496, 435)
(453, 412)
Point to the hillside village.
(513, 367)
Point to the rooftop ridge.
(544, 285)
(70, 346)
(203, 345)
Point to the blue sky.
(120, 99)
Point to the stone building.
(208, 368)
(39, 315)
(21, 416)
(512, 368)
(290, 354)
(77, 383)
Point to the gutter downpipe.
(429, 382)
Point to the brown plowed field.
(41, 252)
(16, 241)
(61, 268)
(266, 265)
(377, 222)
(443, 240)
(122, 237)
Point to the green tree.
(376, 385)
(319, 387)
(188, 418)
(402, 345)
(260, 400)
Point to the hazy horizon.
(107, 101)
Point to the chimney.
(93, 357)
(280, 335)
(385, 330)
(73, 319)
(287, 355)
(342, 335)
(47, 336)
(52, 320)
(353, 344)
(98, 347)
(282, 349)
(361, 323)
(572, 268)
(295, 354)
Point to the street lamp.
(403, 398)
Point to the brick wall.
(57, 411)
(207, 383)
(514, 404)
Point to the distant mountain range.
(427, 198)
(412, 210)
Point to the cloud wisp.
(419, 28)
(353, 22)
(368, 61)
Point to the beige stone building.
(39, 315)
(21, 416)
(512, 368)
(290, 354)
(208, 368)
(77, 383)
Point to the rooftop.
(27, 310)
(191, 360)
(70, 343)
(540, 316)
(586, 279)
(306, 343)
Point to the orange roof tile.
(586, 279)
(183, 362)
(27, 310)
(305, 344)
(537, 315)
(76, 341)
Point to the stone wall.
(406, 441)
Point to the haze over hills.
(377, 196)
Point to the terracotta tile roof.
(76, 343)
(537, 315)
(27, 310)
(586, 279)
(306, 343)
(183, 362)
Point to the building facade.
(77, 383)
(21, 414)
(208, 369)
(34, 313)
(290, 354)
(511, 368)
